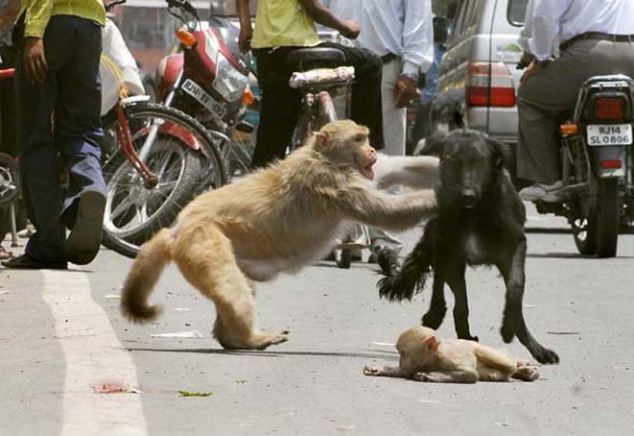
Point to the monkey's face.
(365, 158)
(346, 143)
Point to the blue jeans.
(60, 128)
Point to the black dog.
(480, 221)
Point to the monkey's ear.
(431, 344)
(322, 140)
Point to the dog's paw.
(545, 356)
(507, 331)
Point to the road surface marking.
(94, 356)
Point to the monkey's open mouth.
(367, 170)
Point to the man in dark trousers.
(57, 73)
(282, 26)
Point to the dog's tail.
(411, 277)
(142, 278)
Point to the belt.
(386, 59)
(598, 36)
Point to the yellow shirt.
(38, 12)
(283, 23)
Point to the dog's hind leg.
(456, 281)
(438, 306)
(513, 323)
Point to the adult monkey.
(274, 220)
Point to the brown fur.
(275, 220)
(426, 358)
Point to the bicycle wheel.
(134, 212)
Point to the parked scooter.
(209, 80)
(597, 166)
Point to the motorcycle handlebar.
(183, 5)
(109, 5)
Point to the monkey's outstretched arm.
(417, 172)
(391, 212)
(386, 371)
(457, 376)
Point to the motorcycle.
(597, 165)
(209, 79)
(155, 158)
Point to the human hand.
(405, 90)
(35, 60)
(244, 40)
(533, 69)
(351, 29)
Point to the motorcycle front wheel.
(597, 233)
(134, 212)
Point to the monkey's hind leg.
(207, 261)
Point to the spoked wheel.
(134, 210)
(9, 183)
(597, 233)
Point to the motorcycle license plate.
(609, 134)
(200, 95)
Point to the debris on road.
(191, 334)
(112, 297)
(115, 387)
(562, 333)
(195, 394)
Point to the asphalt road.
(64, 349)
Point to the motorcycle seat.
(316, 57)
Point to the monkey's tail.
(142, 278)
(411, 277)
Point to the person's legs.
(546, 98)
(279, 107)
(366, 107)
(39, 163)
(77, 136)
(394, 119)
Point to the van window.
(467, 16)
(516, 12)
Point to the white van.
(478, 81)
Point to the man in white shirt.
(401, 33)
(597, 37)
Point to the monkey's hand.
(386, 371)
(371, 370)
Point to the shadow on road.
(570, 256)
(371, 354)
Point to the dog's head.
(470, 164)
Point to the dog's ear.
(501, 153)
(434, 144)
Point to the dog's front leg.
(512, 269)
(455, 279)
(438, 306)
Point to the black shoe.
(387, 258)
(84, 240)
(27, 262)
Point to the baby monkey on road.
(426, 358)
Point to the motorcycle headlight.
(229, 82)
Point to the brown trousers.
(546, 98)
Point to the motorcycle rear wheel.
(597, 234)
